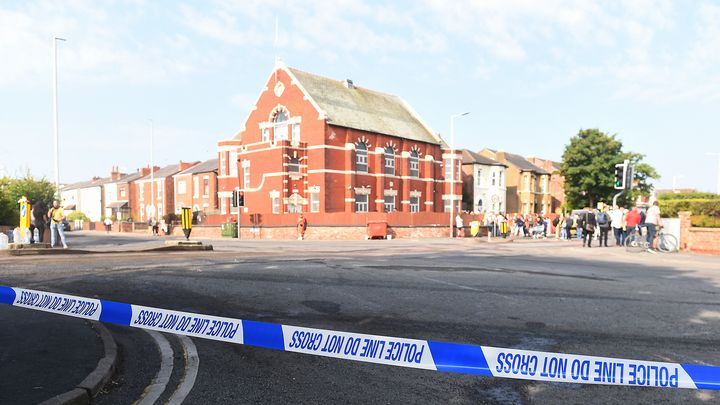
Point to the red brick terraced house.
(196, 188)
(340, 153)
(144, 205)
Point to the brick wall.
(699, 240)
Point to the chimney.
(144, 171)
(348, 83)
(115, 174)
(186, 165)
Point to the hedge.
(707, 207)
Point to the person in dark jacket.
(603, 223)
(589, 223)
(39, 216)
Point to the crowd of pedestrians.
(586, 225)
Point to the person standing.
(632, 220)
(39, 215)
(301, 227)
(617, 217)
(57, 215)
(652, 223)
(603, 222)
(108, 224)
(459, 225)
(589, 223)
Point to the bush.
(171, 218)
(670, 208)
(77, 215)
(688, 196)
(705, 221)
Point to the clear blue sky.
(532, 73)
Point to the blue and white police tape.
(424, 354)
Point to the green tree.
(11, 190)
(589, 166)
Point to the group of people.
(622, 221)
(588, 224)
(41, 218)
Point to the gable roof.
(204, 167)
(166, 171)
(518, 161)
(361, 108)
(130, 177)
(470, 157)
(86, 184)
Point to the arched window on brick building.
(389, 160)
(361, 156)
(281, 126)
(414, 164)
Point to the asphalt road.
(550, 296)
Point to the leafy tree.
(589, 166)
(11, 190)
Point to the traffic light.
(620, 174)
(238, 199)
(629, 177)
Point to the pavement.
(538, 295)
(57, 357)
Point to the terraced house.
(329, 147)
(528, 186)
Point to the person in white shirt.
(652, 223)
(617, 219)
(459, 225)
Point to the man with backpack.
(603, 222)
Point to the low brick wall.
(699, 240)
(316, 232)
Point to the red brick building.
(317, 145)
(196, 187)
(144, 205)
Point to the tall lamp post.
(152, 168)
(718, 173)
(55, 117)
(452, 167)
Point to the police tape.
(423, 354)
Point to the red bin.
(377, 229)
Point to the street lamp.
(718, 174)
(152, 168)
(55, 117)
(452, 167)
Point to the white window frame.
(494, 177)
(389, 203)
(275, 205)
(478, 181)
(295, 133)
(223, 205)
(414, 164)
(295, 165)
(361, 159)
(196, 187)
(246, 176)
(315, 201)
(206, 179)
(448, 169)
(361, 206)
(389, 155)
(223, 163)
(281, 127)
(232, 163)
(414, 205)
(266, 134)
(159, 189)
(141, 191)
(182, 187)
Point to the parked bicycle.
(638, 242)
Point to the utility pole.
(55, 118)
(452, 168)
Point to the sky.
(531, 74)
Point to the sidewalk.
(54, 354)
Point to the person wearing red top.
(632, 219)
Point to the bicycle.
(637, 242)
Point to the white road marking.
(192, 363)
(157, 387)
(464, 287)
